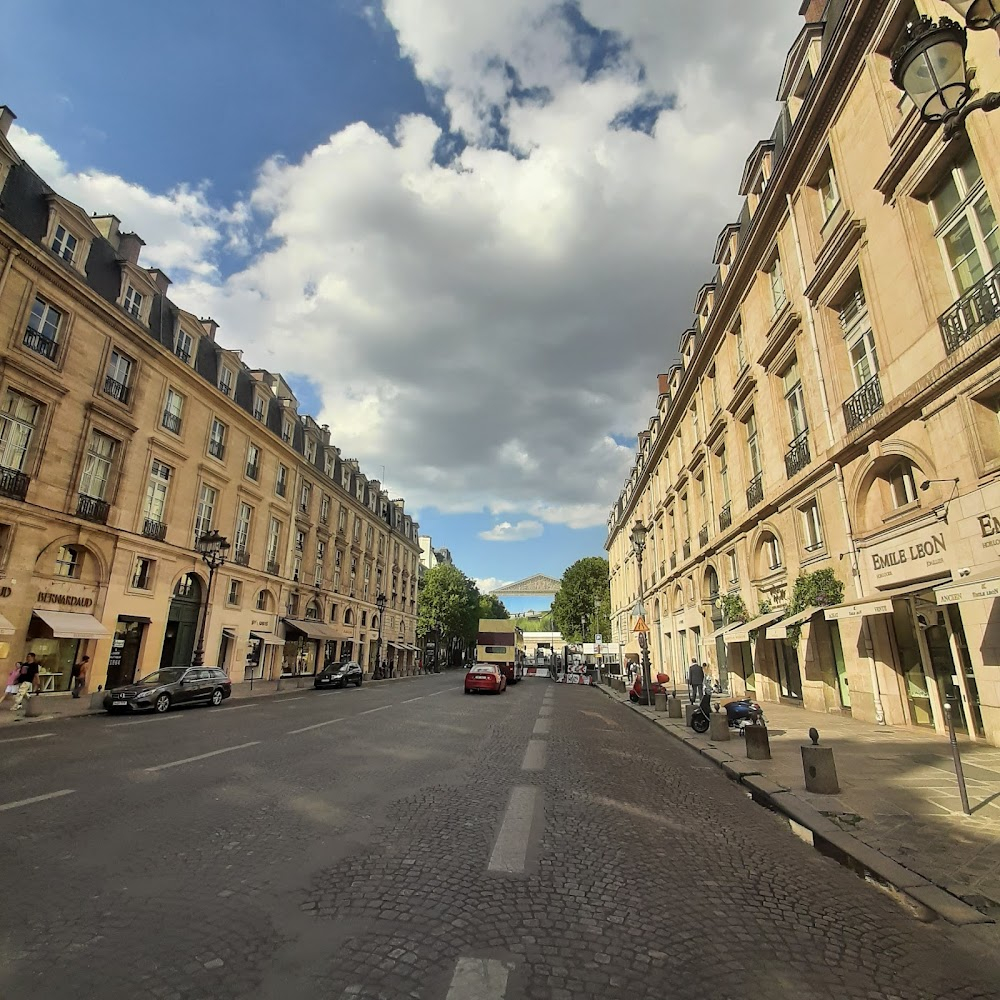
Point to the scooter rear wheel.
(699, 724)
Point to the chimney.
(812, 10)
(209, 325)
(7, 118)
(107, 226)
(663, 383)
(161, 280)
(129, 246)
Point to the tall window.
(368, 576)
(753, 446)
(795, 400)
(67, 561)
(369, 537)
(42, 334)
(172, 411)
(320, 557)
(17, 425)
(741, 354)
(357, 527)
(342, 520)
(286, 430)
(338, 560)
(262, 601)
(829, 194)
(965, 225)
(777, 280)
(812, 529)
(116, 381)
(133, 301)
(772, 552)
(901, 483)
(281, 483)
(64, 244)
(273, 541)
(253, 461)
(155, 505)
(857, 329)
(207, 498)
(244, 514)
(694, 423)
(234, 592)
(724, 474)
(217, 439)
(734, 570)
(184, 345)
(324, 509)
(97, 465)
(142, 573)
(304, 495)
(226, 379)
(258, 408)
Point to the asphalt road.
(406, 841)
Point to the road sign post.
(642, 631)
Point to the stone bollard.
(758, 745)
(33, 707)
(718, 727)
(818, 767)
(97, 700)
(673, 708)
(688, 712)
(660, 702)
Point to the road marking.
(285, 701)
(318, 725)
(238, 708)
(545, 712)
(436, 693)
(542, 727)
(408, 700)
(142, 722)
(369, 711)
(36, 798)
(479, 979)
(21, 739)
(534, 756)
(511, 848)
(202, 756)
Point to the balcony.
(253, 470)
(40, 344)
(663, 570)
(92, 509)
(797, 456)
(976, 309)
(726, 517)
(172, 422)
(241, 557)
(152, 528)
(185, 356)
(864, 403)
(273, 568)
(216, 449)
(703, 536)
(13, 484)
(686, 549)
(115, 389)
(281, 489)
(755, 491)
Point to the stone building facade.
(835, 406)
(126, 432)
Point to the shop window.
(234, 592)
(68, 561)
(901, 484)
(142, 574)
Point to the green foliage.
(813, 590)
(764, 609)
(533, 624)
(449, 604)
(490, 606)
(585, 580)
(733, 609)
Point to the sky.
(470, 233)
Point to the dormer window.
(184, 344)
(64, 244)
(286, 430)
(258, 408)
(311, 451)
(330, 462)
(226, 379)
(133, 301)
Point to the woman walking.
(12, 679)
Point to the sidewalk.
(898, 802)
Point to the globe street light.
(380, 603)
(929, 66)
(980, 15)
(638, 536)
(212, 547)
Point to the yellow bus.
(501, 643)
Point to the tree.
(583, 581)
(449, 607)
(490, 606)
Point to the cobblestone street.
(409, 842)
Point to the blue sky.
(469, 234)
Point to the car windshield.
(484, 670)
(336, 668)
(162, 677)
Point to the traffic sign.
(598, 638)
(640, 625)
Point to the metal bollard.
(818, 767)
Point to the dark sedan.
(339, 675)
(162, 689)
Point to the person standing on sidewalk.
(79, 676)
(28, 682)
(13, 679)
(696, 681)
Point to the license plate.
(121, 704)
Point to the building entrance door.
(838, 655)
(182, 623)
(124, 652)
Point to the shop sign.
(65, 600)
(915, 555)
(987, 590)
(847, 611)
(263, 623)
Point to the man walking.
(696, 681)
(79, 676)
(28, 682)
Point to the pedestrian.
(696, 681)
(13, 678)
(27, 682)
(78, 677)
(708, 678)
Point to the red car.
(483, 677)
(659, 686)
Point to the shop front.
(262, 648)
(753, 659)
(304, 645)
(126, 645)
(58, 638)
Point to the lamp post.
(980, 15)
(212, 547)
(929, 66)
(380, 602)
(638, 537)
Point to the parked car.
(659, 686)
(169, 686)
(485, 677)
(339, 675)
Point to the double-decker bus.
(501, 643)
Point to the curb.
(827, 837)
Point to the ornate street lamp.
(980, 15)
(638, 536)
(929, 65)
(212, 547)
(380, 603)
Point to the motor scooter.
(743, 712)
(699, 717)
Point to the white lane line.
(21, 739)
(36, 798)
(369, 711)
(479, 979)
(408, 700)
(545, 712)
(542, 727)
(285, 701)
(143, 722)
(436, 693)
(534, 756)
(318, 725)
(511, 848)
(202, 756)
(238, 708)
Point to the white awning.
(976, 588)
(5, 627)
(876, 604)
(742, 634)
(725, 631)
(268, 638)
(312, 629)
(780, 630)
(72, 625)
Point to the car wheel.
(634, 698)
(162, 703)
(217, 697)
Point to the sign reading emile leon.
(915, 555)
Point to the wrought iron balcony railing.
(40, 344)
(152, 528)
(797, 456)
(864, 403)
(686, 548)
(92, 509)
(272, 567)
(755, 491)
(216, 449)
(725, 517)
(13, 483)
(241, 557)
(115, 389)
(253, 470)
(976, 309)
(172, 422)
(703, 536)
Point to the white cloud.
(483, 328)
(490, 583)
(507, 532)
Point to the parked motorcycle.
(699, 717)
(743, 712)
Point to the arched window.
(711, 583)
(770, 552)
(348, 617)
(68, 561)
(263, 601)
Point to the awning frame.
(877, 599)
(742, 634)
(268, 638)
(311, 629)
(779, 630)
